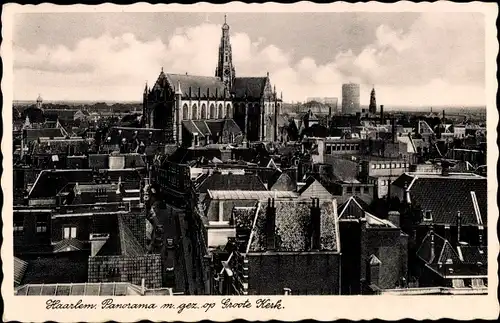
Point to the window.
(378, 166)
(69, 232)
(383, 166)
(427, 215)
(393, 165)
(349, 189)
(398, 165)
(41, 223)
(196, 140)
(18, 223)
(357, 189)
(373, 166)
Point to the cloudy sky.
(411, 58)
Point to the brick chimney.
(270, 225)
(315, 225)
(394, 217)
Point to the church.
(198, 110)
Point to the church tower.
(373, 102)
(225, 68)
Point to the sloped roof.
(293, 225)
(243, 216)
(68, 245)
(58, 269)
(250, 87)
(314, 188)
(32, 134)
(205, 84)
(281, 182)
(344, 170)
(129, 244)
(191, 127)
(218, 181)
(474, 254)
(20, 267)
(427, 193)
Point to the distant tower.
(39, 102)
(225, 69)
(373, 102)
(350, 98)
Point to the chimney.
(315, 224)
(447, 233)
(393, 121)
(459, 225)
(433, 251)
(445, 170)
(481, 232)
(382, 114)
(270, 224)
(119, 186)
(77, 189)
(97, 241)
(394, 217)
(143, 286)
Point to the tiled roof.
(191, 127)
(61, 146)
(314, 188)
(205, 84)
(221, 126)
(213, 210)
(243, 216)
(35, 133)
(292, 227)
(250, 195)
(20, 267)
(250, 87)
(281, 182)
(427, 193)
(129, 244)
(220, 182)
(344, 170)
(68, 245)
(474, 254)
(145, 135)
(202, 126)
(70, 268)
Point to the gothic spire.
(225, 69)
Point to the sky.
(412, 59)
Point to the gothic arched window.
(185, 112)
(203, 112)
(220, 112)
(228, 111)
(195, 112)
(212, 112)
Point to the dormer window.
(427, 215)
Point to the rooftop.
(251, 195)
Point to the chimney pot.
(315, 225)
(270, 226)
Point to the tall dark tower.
(225, 68)
(373, 102)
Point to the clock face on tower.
(227, 72)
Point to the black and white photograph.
(247, 153)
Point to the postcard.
(253, 161)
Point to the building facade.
(175, 100)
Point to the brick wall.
(304, 274)
(126, 269)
